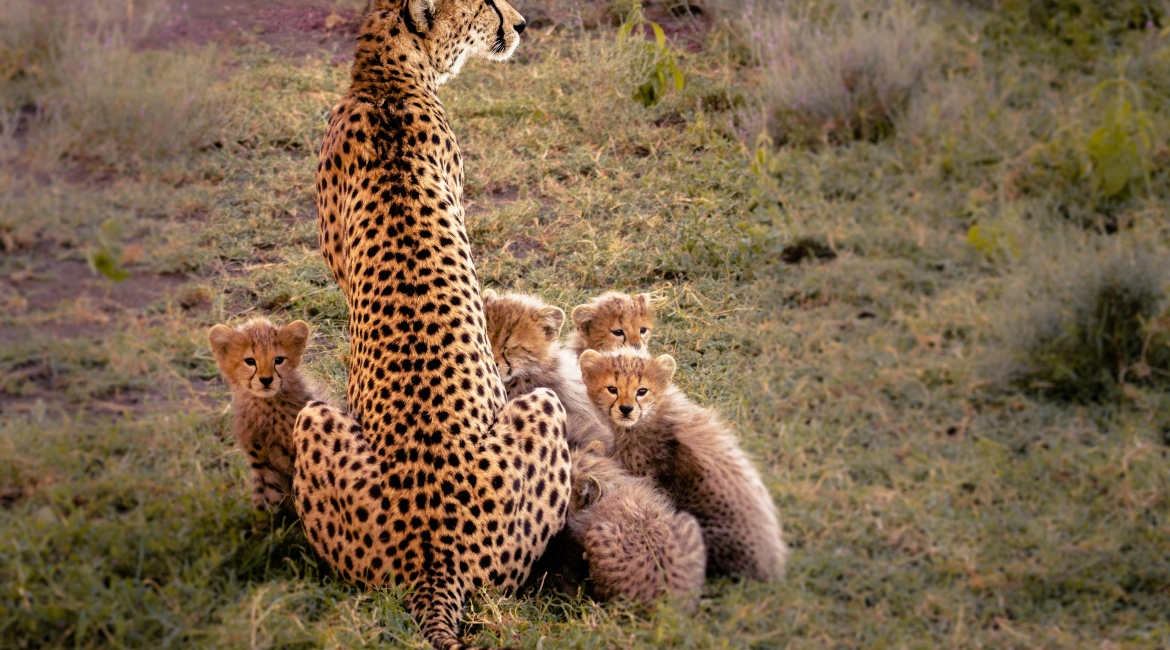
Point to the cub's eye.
(612, 390)
(642, 392)
(278, 360)
(644, 331)
(250, 361)
(618, 332)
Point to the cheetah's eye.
(618, 332)
(642, 392)
(250, 361)
(278, 360)
(644, 331)
(612, 390)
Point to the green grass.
(927, 503)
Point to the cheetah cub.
(639, 547)
(688, 451)
(610, 321)
(523, 332)
(260, 362)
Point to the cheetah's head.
(626, 384)
(455, 30)
(257, 357)
(522, 330)
(613, 320)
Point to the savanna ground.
(915, 253)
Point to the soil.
(67, 300)
(294, 28)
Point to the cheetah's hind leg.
(525, 456)
(335, 477)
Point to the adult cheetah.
(430, 479)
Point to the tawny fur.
(523, 331)
(611, 321)
(429, 479)
(638, 546)
(264, 413)
(689, 452)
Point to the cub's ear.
(666, 366)
(422, 12)
(590, 492)
(553, 319)
(643, 301)
(489, 295)
(589, 360)
(293, 337)
(220, 338)
(583, 315)
(595, 447)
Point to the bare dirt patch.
(53, 299)
(292, 27)
(522, 247)
(51, 283)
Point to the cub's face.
(615, 320)
(626, 385)
(257, 357)
(522, 330)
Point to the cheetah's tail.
(437, 603)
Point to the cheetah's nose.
(267, 381)
(520, 27)
(626, 410)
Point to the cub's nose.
(520, 27)
(626, 410)
(267, 381)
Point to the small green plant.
(1121, 147)
(655, 63)
(993, 242)
(106, 259)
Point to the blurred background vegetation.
(917, 253)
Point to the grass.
(927, 503)
(1080, 335)
(837, 78)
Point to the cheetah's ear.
(595, 447)
(422, 12)
(667, 366)
(220, 339)
(589, 361)
(293, 337)
(489, 295)
(582, 316)
(553, 319)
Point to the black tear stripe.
(499, 44)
